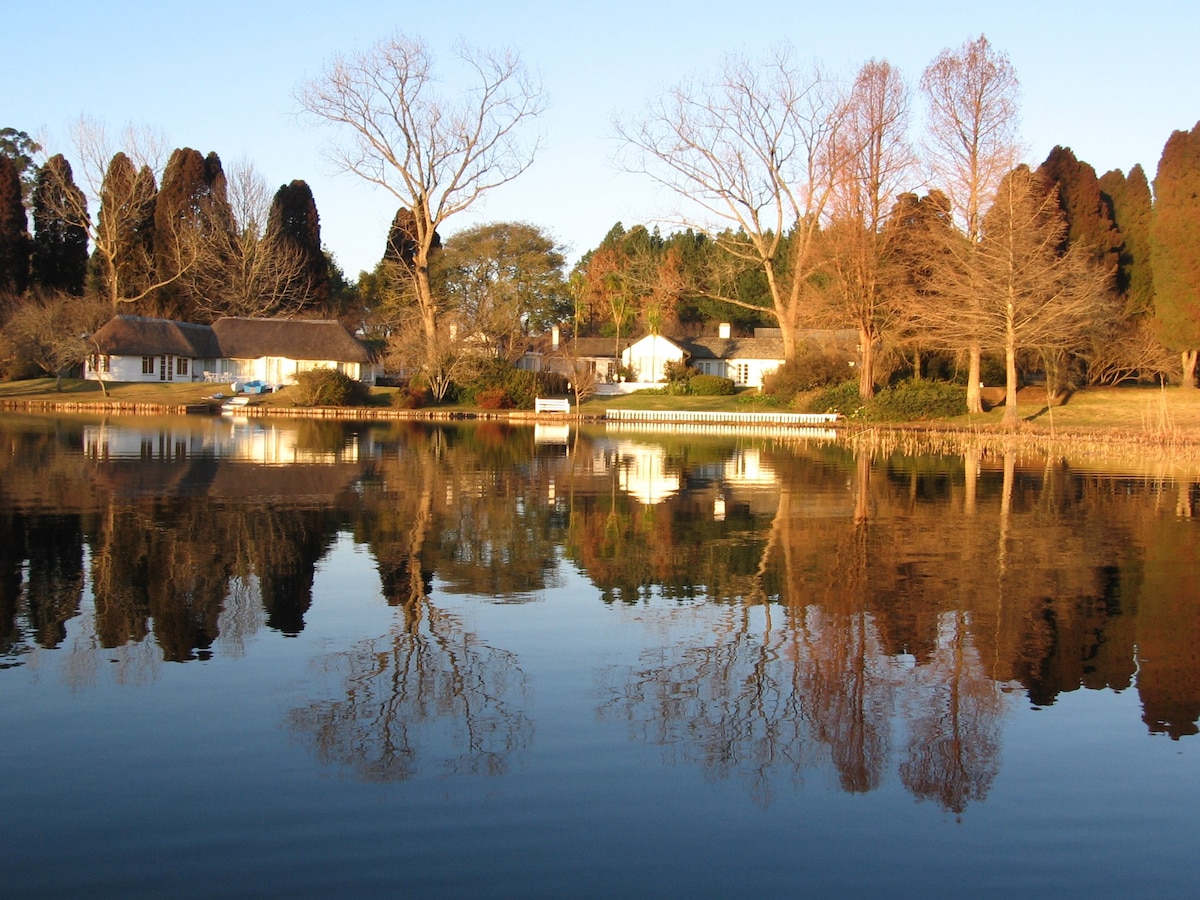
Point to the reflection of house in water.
(245, 461)
(245, 440)
(642, 472)
(745, 479)
(149, 443)
(648, 473)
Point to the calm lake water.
(276, 658)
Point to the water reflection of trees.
(922, 591)
(181, 547)
(846, 588)
(430, 688)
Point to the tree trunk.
(788, 333)
(866, 368)
(1189, 369)
(428, 316)
(1011, 418)
(974, 397)
(971, 457)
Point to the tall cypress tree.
(14, 231)
(1175, 247)
(124, 244)
(294, 226)
(401, 241)
(193, 230)
(1133, 209)
(60, 244)
(1088, 214)
(21, 149)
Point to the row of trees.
(800, 191)
(182, 239)
(796, 209)
(197, 244)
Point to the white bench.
(542, 405)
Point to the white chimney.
(555, 335)
(723, 330)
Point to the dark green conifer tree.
(60, 244)
(1088, 214)
(1175, 247)
(124, 241)
(295, 227)
(401, 241)
(14, 232)
(193, 231)
(1133, 209)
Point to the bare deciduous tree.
(973, 99)
(748, 154)
(1012, 290)
(437, 154)
(875, 160)
(118, 177)
(51, 332)
(250, 275)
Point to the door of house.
(166, 368)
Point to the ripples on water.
(307, 657)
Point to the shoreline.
(935, 429)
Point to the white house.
(647, 358)
(275, 351)
(746, 361)
(135, 348)
(597, 356)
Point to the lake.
(276, 657)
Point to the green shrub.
(677, 372)
(520, 386)
(910, 400)
(710, 386)
(412, 395)
(810, 372)
(840, 398)
(906, 401)
(329, 387)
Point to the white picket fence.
(729, 418)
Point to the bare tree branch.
(437, 154)
(749, 155)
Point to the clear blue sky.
(1111, 80)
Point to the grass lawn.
(1142, 408)
(75, 390)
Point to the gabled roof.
(733, 348)
(583, 348)
(232, 338)
(598, 347)
(317, 339)
(141, 336)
